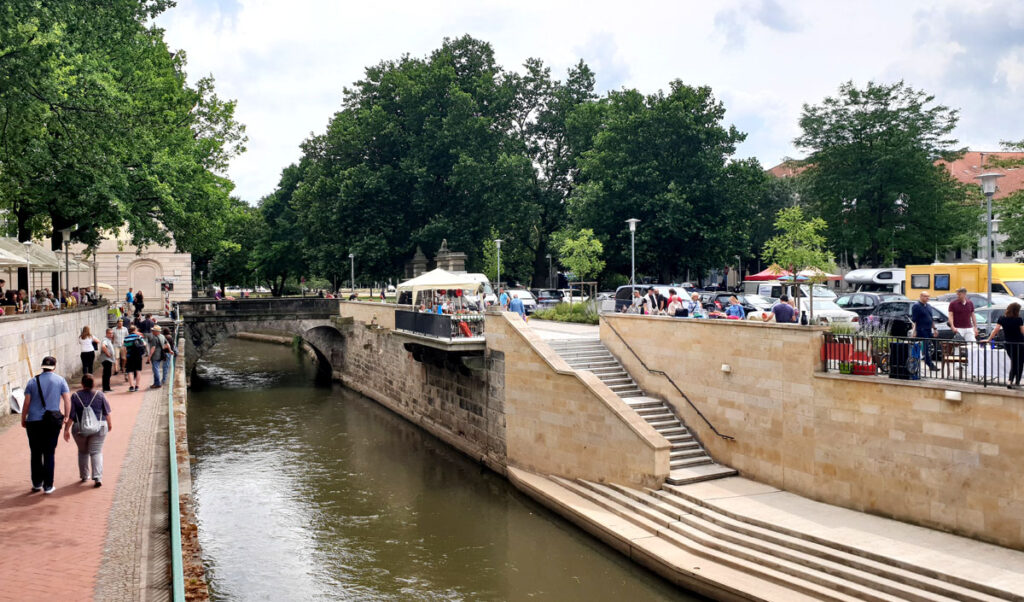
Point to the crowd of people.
(19, 301)
(653, 303)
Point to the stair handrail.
(669, 378)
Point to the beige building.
(122, 265)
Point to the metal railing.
(673, 383)
(173, 495)
(908, 358)
(440, 326)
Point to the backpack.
(675, 306)
(88, 423)
(135, 347)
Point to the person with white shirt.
(120, 354)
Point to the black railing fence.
(908, 358)
(442, 326)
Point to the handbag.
(88, 423)
(51, 418)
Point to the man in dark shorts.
(135, 346)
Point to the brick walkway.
(52, 545)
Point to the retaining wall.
(893, 448)
(40, 334)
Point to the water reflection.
(313, 493)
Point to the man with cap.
(160, 353)
(46, 392)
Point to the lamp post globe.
(632, 250)
(988, 188)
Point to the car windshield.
(1016, 287)
(759, 301)
(981, 317)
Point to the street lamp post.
(988, 186)
(497, 243)
(66, 237)
(117, 278)
(352, 267)
(550, 274)
(28, 256)
(632, 250)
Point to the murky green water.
(314, 493)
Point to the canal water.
(311, 492)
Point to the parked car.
(753, 305)
(892, 312)
(624, 294)
(986, 318)
(529, 301)
(979, 299)
(865, 303)
(547, 297)
(825, 311)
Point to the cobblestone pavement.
(53, 546)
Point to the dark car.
(894, 318)
(987, 318)
(547, 297)
(624, 294)
(864, 304)
(720, 301)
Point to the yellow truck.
(942, 278)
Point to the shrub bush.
(579, 313)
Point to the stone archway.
(143, 275)
(322, 335)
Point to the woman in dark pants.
(140, 303)
(89, 345)
(1013, 334)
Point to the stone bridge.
(207, 322)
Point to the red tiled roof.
(787, 169)
(974, 163)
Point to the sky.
(287, 62)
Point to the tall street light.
(632, 250)
(117, 277)
(66, 236)
(497, 243)
(988, 186)
(352, 262)
(28, 256)
(549, 271)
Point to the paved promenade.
(64, 546)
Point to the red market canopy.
(768, 274)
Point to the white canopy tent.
(14, 254)
(439, 280)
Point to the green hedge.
(579, 313)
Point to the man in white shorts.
(120, 354)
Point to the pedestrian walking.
(961, 310)
(516, 305)
(503, 298)
(89, 434)
(89, 344)
(140, 303)
(129, 297)
(46, 396)
(924, 328)
(107, 358)
(135, 347)
(120, 332)
(146, 325)
(1013, 336)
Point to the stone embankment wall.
(894, 448)
(461, 406)
(41, 334)
(519, 404)
(568, 423)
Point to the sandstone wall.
(894, 448)
(568, 423)
(45, 333)
(461, 406)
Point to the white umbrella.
(440, 280)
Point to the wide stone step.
(667, 431)
(699, 460)
(631, 393)
(586, 364)
(857, 567)
(683, 454)
(683, 447)
(653, 410)
(644, 401)
(617, 381)
(648, 520)
(696, 474)
(616, 369)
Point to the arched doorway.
(143, 275)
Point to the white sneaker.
(49, 490)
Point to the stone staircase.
(688, 461)
(691, 538)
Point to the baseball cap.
(49, 362)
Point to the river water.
(311, 492)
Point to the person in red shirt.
(961, 310)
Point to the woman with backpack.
(89, 422)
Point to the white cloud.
(287, 62)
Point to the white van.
(877, 280)
(486, 292)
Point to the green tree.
(231, 260)
(799, 245)
(278, 249)
(582, 254)
(662, 159)
(872, 174)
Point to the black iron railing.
(909, 358)
(441, 326)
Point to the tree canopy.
(872, 174)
